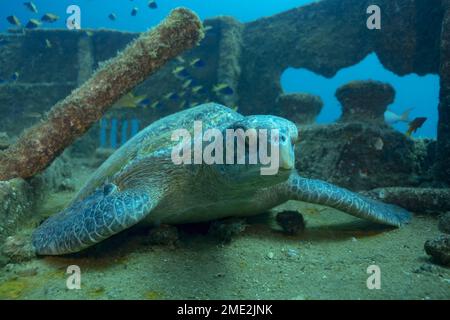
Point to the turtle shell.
(158, 136)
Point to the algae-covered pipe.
(73, 116)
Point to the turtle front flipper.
(323, 193)
(86, 222)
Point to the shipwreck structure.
(323, 37)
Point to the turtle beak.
(287, 154)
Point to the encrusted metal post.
(443, 151)
(73, 116)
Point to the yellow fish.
(129, 101)
(177, 70)
(154, 105)
(183, 104)
(198, 63)
(171, 96)
(223, 88)
(50, 17)
(48, 44)
(197, 89)
(13, 20)
(186, 84)
(32, 115)
(31, 6)
(415, 125)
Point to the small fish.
(178, 70)
(31, 6)
(154, 105)
(144, 103)
(193, 104)
(197, 63)
(33, 24)
(48, 44)
(15, 76)
(89, 33)
(186, 84)
(197, 89)
(207, 28)
(235, 108)
(13, 20)
(50, 17)
(223, 89)
(379, 144)
(180, 60)
(415, 125)
(129, 101)
(152, 4)
(134, 12)
(181, 72)
(32, 115)
(393, 118)
(112, 17)
(172, 96)
(183, 104)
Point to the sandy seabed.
(328, 261)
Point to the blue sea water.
(420, 93)
(412, 91)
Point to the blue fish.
(31, 6)
(15, 76)
(184, 74)
(33, 24)
(144, 103)
(198, 63)
(223, 89)
(393, 118)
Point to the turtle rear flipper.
(86, 222)
(326, 194)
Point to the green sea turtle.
(140, 183)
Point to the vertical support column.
(103, 133)
(134, 127)
(124, 133)
(443, 151)
(113, 134)
(229, 69)
(85, 59)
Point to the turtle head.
(261, 149)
